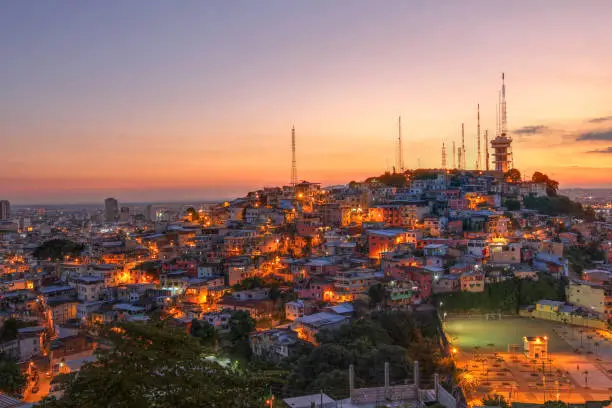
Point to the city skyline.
(196, 100)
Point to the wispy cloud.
(602, 151)
(599, 120)
(530, 130)
(602, 136)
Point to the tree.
(192, 214)
(468, 383)
(495, 400)
(155, 365)
(377, 294)
(589, 214)
(513, 205)
(241, 324)
(58, 249)
(11, 326)
(555, 404)
(513, 175)
(551, 185)
(11, 379)
(205, 332)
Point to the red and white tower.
(502, 144)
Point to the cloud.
(602, 135)
(602, 151)
(599, 120)
(530, 130)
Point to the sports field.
(579, 367)
(495, 335)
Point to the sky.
(159, 100)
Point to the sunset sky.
(172, 100)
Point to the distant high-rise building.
(111, 210)
(5, 210)
(150, 213)
(124, 216)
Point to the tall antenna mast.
(454, 165)
(497, 116)
(459, 157)
(486, 142)
(478, 143)
(463, 146)
(503, 130)
(443, 156)
(293, 162)
(400, 155)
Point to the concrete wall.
(561, 317)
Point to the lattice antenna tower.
(486, 142)
(463, 147)
(478, 140)
(294, 178)
(400, 150)
(443, 156)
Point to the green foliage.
(512, 205)
(495, 400)
(254, 282)
(423, 175)
(555, 404)
(377, 294)
(583, 257)
(589, 214)
(389, 179)
(506, 296)
(236, 344)
(9, 329)
(159, 366)
(11, 379)
(552, 186)
(193, 214)
(393, 336)
(513, 175)
(557, 205)
(205, 332)
(58, 249)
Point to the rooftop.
(321, 319)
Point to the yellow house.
(549, 306)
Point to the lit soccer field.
(495, 335)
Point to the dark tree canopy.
(512, 205)
(155, 365)
(513, 175)
(390, 179)
(58, 249)
(9, 329)
(557, 205)
(551, 185)
(11, 379)
(368, 342)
